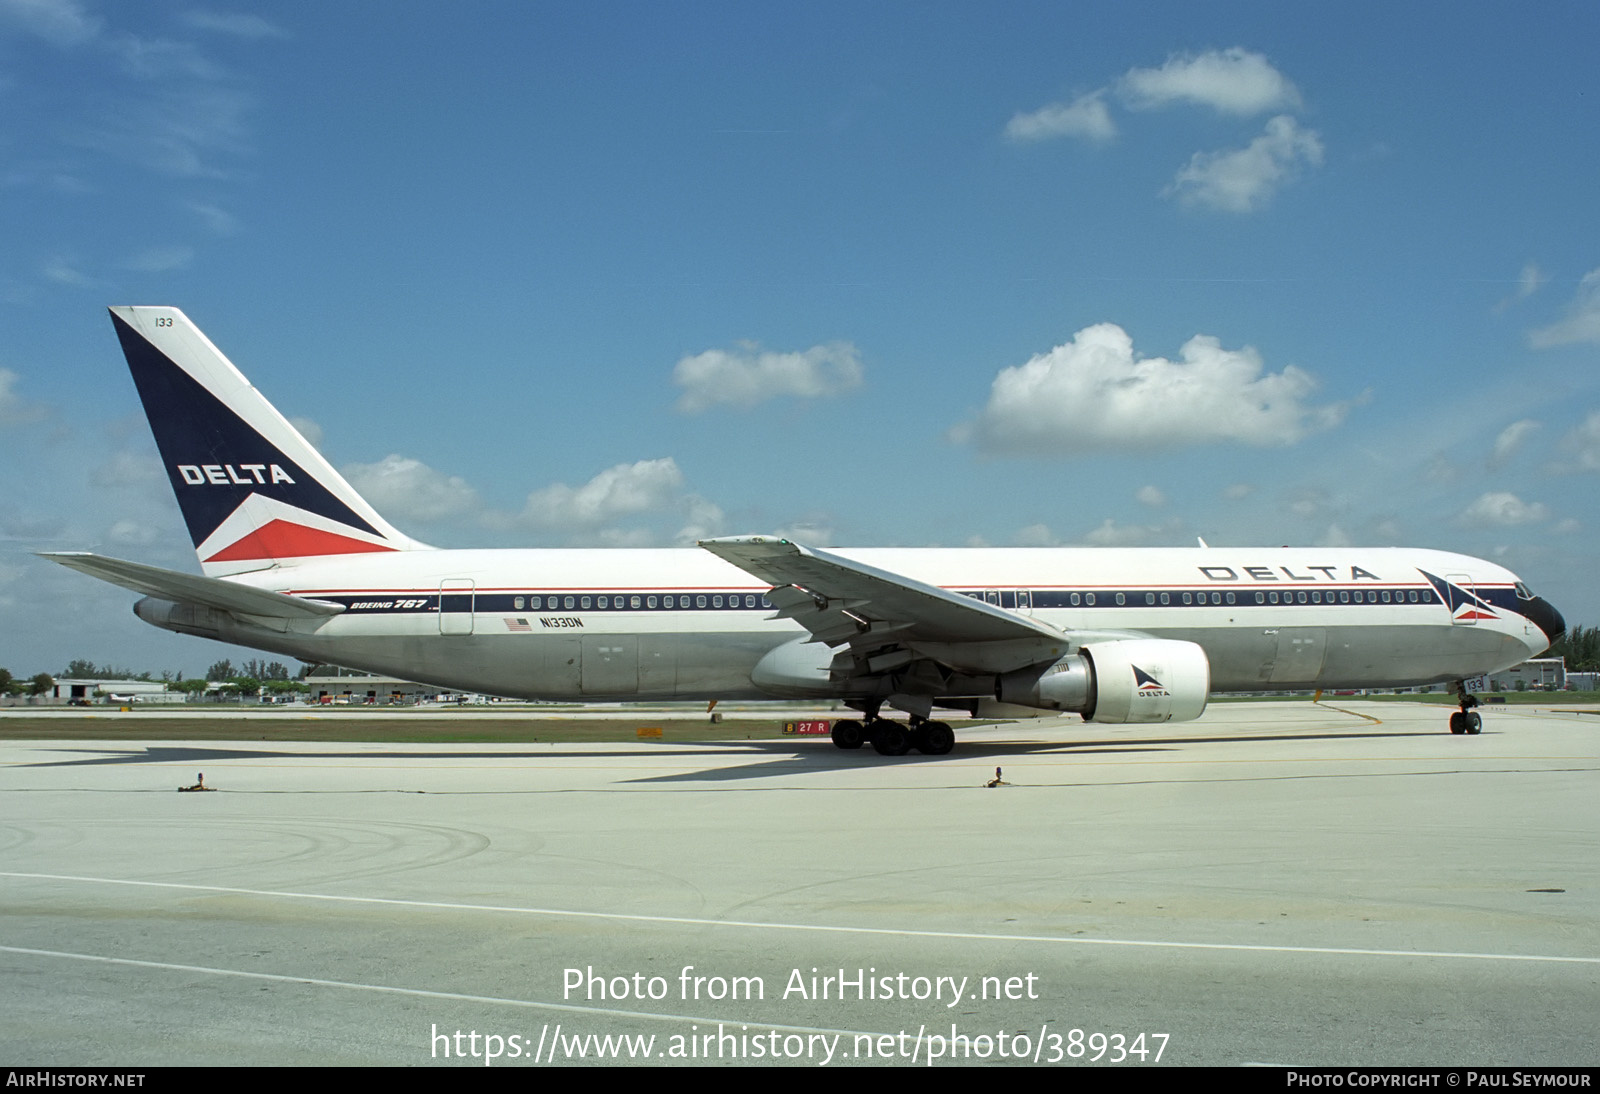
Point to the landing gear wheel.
(848, 734)
(935, 738)
(889, 738)
(1466, 720)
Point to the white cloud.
(1241, 180)
(181, 129)
(621, 491)
(1582, 323)
(1108, 534)
(219, 221)
(750, 375)
(124, 470)
(1311, 502)
(704, 519)
(14, 409)
(1582, 446)
(62, 271)
(134, 532)
(161, 259)
(60, 22)
(158, 58)
(1112, 534)
(813, 530)
(1086, 116)
(1233, 81)
(1094, 394)
(398, 486)
(1503, 509)
(1239, 491)
(1037, 535)
(1152, 496)
(236, 24)
(1440, 469)
(1528, 283)
(311, 431)
(1509, 440)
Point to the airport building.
(109, 691)
(333, 685)
(1539, 674)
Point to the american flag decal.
(517, 625)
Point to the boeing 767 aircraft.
(296, 562)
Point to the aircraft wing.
(193, 589)
(844, 602)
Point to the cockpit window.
(1523, 592)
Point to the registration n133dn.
(296, 562)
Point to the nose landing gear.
(1466, 720)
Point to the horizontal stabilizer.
(184, 588)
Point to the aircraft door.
(610, 664)
(1461, 593)
(1299, 657)
(456, 601)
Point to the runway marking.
(458, 997)
(700, 921)
(1353, 713)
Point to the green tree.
(41, 684)
(5, 681)
(1580, 646)
(243, 685)
(220, 670)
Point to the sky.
(627, 274)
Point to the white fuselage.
(612, 624)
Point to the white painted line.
(895, 932)
(455, 997)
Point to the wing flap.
(840, 601)
(192, 589)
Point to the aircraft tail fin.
(253, 491)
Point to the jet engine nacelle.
(1121, 681)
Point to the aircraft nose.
(1546, 618)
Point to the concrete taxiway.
(1277, 883)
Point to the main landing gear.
(892, 738)
(1466, 720)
